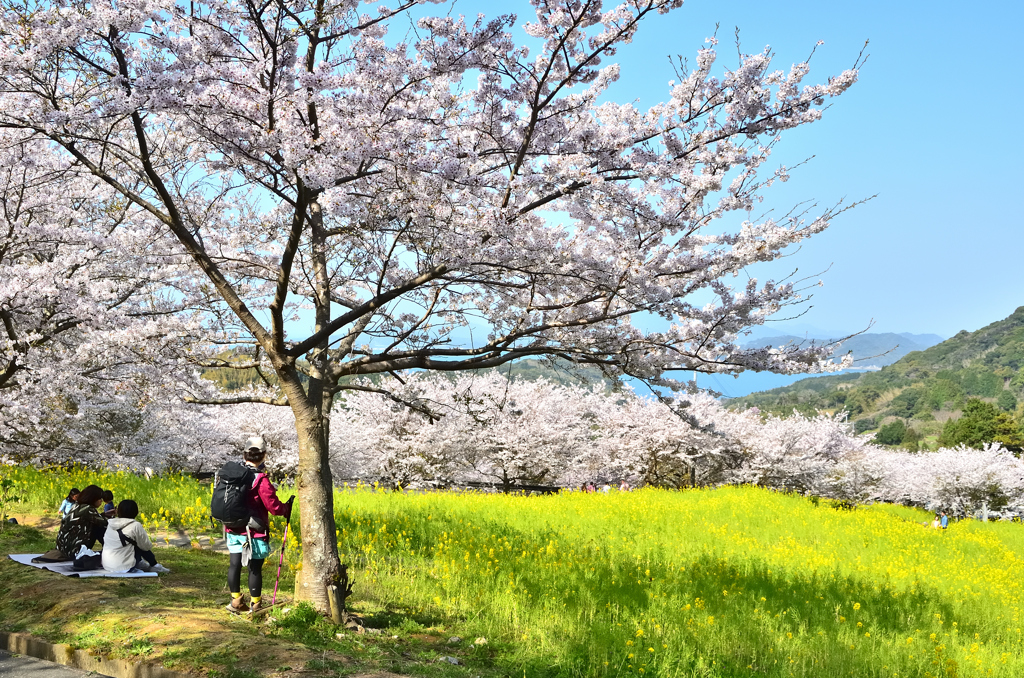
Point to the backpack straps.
(125, 539)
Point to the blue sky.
(938, 249)
(930, 128)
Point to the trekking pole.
(280, 562)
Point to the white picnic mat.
(67, 570)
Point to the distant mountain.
(926, 340)
(923, 387)
(869, 349)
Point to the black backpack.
(230, 486)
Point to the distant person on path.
(248, 542)
(69, 502)
(83, 526)
(126, 545)
(944, 521)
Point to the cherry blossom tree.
(650, 442)
(89, 330)
(197, 438)
(796, 453)
(469, 428)
(960, 480)
(398, 191)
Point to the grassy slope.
(179, 621)
(926, 385)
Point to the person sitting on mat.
(83, 526)
(261, 498)
(126, 545)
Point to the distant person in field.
(69, 502)
(936, 522)
(250, 545)
(126, 545)
(623, 486)
(82, 526)
(944, 521)
(108, 504)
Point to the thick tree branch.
(367, 307)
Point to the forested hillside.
(922, 390)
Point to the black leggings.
(146, 556)
(255, 575)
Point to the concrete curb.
(59, 653)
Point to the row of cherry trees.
(488, 429)
(484, 428)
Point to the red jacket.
(262, 499)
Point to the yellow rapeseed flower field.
(734, 581)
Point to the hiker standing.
(243, 498)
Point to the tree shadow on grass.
(406, 619)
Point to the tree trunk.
(315, 486)
(321, 566)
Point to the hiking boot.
(237, 606)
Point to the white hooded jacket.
(118, 557)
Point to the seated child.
(69, 503)
(108, 504)
(126, 545)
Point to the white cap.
(257, 442)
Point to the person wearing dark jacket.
(83, 525)
(252, 541)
